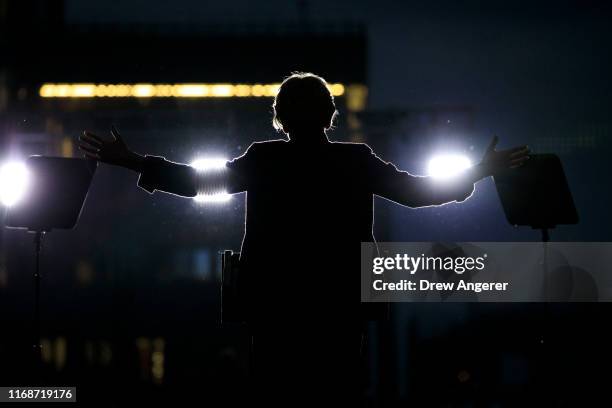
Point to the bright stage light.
(448, 166)
(14, 181)
(216, 198)
(209, 163)
(211, 189)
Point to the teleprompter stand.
(537, 195)
(56, 193)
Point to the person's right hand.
(112, 151)
(495, 161)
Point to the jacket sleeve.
(163, 175)
(241, 171)
(159, 174)
(387, 181)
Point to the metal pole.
(37, 277)
(545, 240)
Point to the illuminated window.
(180, 91)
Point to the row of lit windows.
(150, 351)
(166, 90)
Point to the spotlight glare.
(447, 166)
(215, 198)
(208, 164)
(14, 181)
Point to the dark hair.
(303, 101)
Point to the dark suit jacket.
(308, 208)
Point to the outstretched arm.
(156, 173)
(423, 191)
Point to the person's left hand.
(494, 161)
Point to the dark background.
(131, 296)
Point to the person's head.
(303, 104)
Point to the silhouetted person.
(309, 205)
